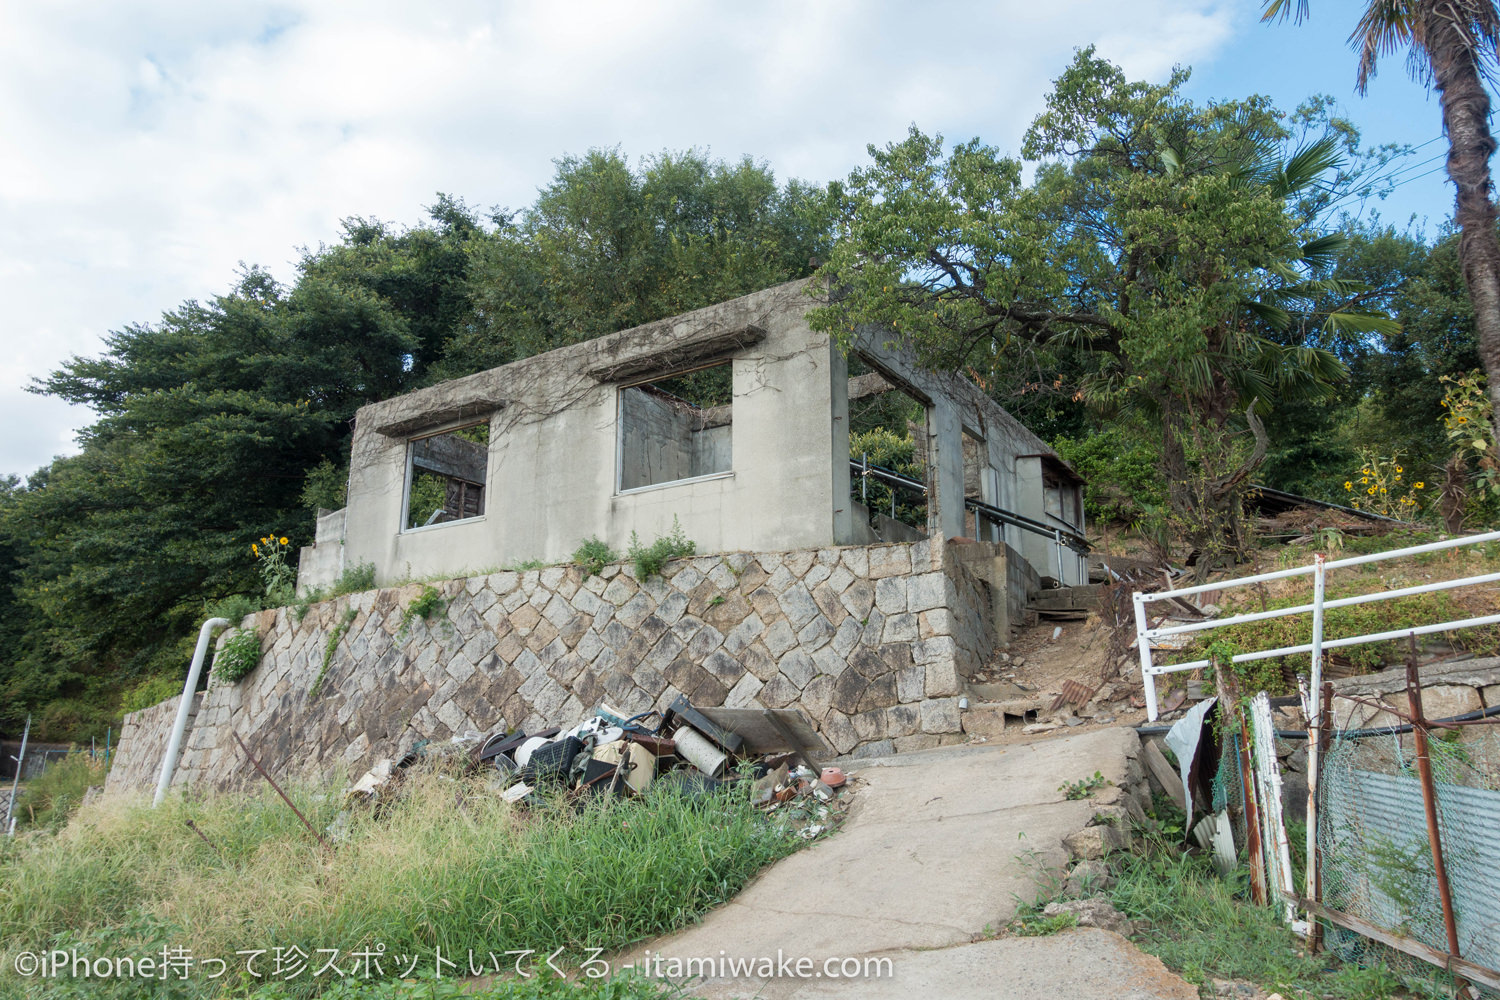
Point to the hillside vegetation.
(1177, 299)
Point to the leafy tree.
(1168, 246)
(214, 424)
(229, 420)
(608, 246)
(1452, 45)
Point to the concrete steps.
(1064, 603)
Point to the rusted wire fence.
(1408, 843)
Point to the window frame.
(623, 386)
(409, 466)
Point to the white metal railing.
(1319, 568)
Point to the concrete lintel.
(672, 356)
(454, 412)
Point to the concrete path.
(938, 849)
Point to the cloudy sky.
(147, 149)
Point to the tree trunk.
(1453, 51)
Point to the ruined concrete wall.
(870, 642)
(553, 454)
(321, 563)
(655, 440)
(967, 433)
(143, 740)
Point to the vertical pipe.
(174, 744)
(1314, 859)
(1429, 802)
(1058, 546)
(864, 478)
(10, 807)
(1316, 716)
(1148, 679)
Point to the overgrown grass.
(47, 801)
(447, 865)
(649, 559)
(537, 988)
(352, 580)
(1204, 928)
(330, 646)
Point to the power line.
(1418, 177)
(1413, 166)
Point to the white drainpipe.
(169, 761)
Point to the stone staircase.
(1003, 706)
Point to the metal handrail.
(1075, 541)
(1319, 569)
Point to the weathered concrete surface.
(938, 848)
(1083, 963)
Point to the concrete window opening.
(888, 429)
(445, 476)
(1062, 497)
(676, 428)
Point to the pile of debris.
(682, 750)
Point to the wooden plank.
(1480, 974)
(1165, 775)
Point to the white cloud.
(152, 147)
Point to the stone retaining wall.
(143, 740)
(1448, 690)
(872, 643)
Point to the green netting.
(1376, 855)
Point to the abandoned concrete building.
(596, 440)
(862, 596)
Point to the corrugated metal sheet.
(1378, 864)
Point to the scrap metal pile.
(681, 750)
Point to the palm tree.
(1452, 45)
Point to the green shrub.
(235, 607)
(354, 579)
(898, 453)
(239, 655)
(47, 801)
(649, 559)
(425, 606)
(593, 555)
(151, 691)
(1124, 481)
(326, 486)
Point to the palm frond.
(1360, 322)
(1275, 317)
(1383, 28)
(1283, 9)
(1322, 253)
(1306, 165)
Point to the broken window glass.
(445, 476)
(676, 428)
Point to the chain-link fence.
(1376, 851)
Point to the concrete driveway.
(938, 851)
